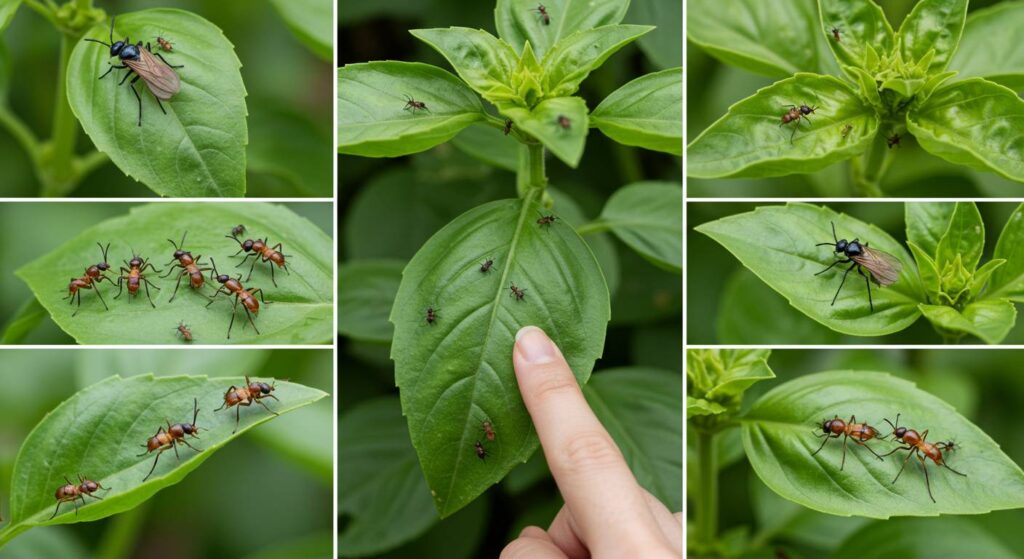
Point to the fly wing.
(161, 79)
(884, 267)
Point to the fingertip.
(534, 347)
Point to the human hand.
(606, 512)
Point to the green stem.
(58, 168)
(592, 228)
(707, 488)
(21, 132)
(537, 177)
(869, 170)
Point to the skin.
(606, 512)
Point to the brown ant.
(165, 44)
(517, 292)
(233, 286)
(795, 114)
(508, 126)
(134, 276)
(835, 34)
(546, 220)
(71, 493)
(190, 267)
(893, 141)
(414, 105)
(170, 438)
(245, 396)
(543, 13)
(481, 452)
(859, 432)
(184, 331)
(564, 122)
(93, 276)
(917, 445)
(485, 266)
(237, 230)
(261, 251)
(488, 430)
(432, 315)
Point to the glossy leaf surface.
(648, 217)
(646, 112)
(519, 21)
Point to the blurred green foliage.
(286, 496)
(35, 228)
(290, 100)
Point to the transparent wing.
(884, 267)
(161, 79)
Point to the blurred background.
(390, 207)
(712, 87)
(289, 459)
(728, 304)
(290, 100)
(36, 228)
(986, 387)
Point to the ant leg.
(836, 263)
(265, 302)
(871, 450)
(145, 282)
(843, 463)
(124, 79)
(927, 482)
(260, 402)
(79, 297)
(165, 62)
(154, 464)
(232, 323)
(222, 406)
(254, 261)
(137, 98)
(945, 465)
(59, 503)
(100, 295)
(846, 273)
(150, 266)
(867, 282)
(249, 314)
(186, 443)
(161, 105)
(827, 437)
(93, 496)
(238, 411)
(213, 298)
(909, 454)
(176, 287)
(174, 445)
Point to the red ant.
(182, 329)
(93, 276)
(71, 493)
(508, 126)
(261, 251)
(835, 34)
(190, 267)
(859, 432)
(485, 266)
(414, 105)
(564, 122)
(488, 430)
(233, 286)
(170, 438)
(794, 115)
(246, 395)
(133, 275)
(543, 13)
(432, 315)
(893, 141)
(517, 292)
(481, 452)
(546, 220)
(917, 445)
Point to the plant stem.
(58, 169)
(593, 227)
(869, 170)
(21, 132)
(707, 487)
(536, 155)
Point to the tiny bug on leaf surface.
(922, 449)
(508, 126)
(171, 437)
(893, 141)
(794, 115)
(184, 331)
(261, 250)
(90, 279)
(159, 76)
(133, 275)
(414, 105)
(70, 493)
(252, 391)
(563, 122)
(847, 129)
(859, 432)
(165, 44)
(517, 292)
(542, 12)
(546, 220)
(233, 286)
(486, 265)
(836, 34)
(237, 230)
(481, 452)
(883, 267)
(190, 267)
(432, 315)
(488, 430)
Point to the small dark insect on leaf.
(165, 44)
(543, 13)
(794, 115)
(184, 331)
(414, 105)
(508, 126)
(564, 122)
(432, 315)
(481, 452)
(237, 230)
(517, 292)
(489, 430)
(485, 266)
(546, 220)
(847, 129)
(835, 34)
(893, 141)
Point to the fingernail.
(535, 346)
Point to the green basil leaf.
(919, 537)
(861, 25)
(867, 85)
(380, 471)
(990, 47)
(24, 321)
(628, 401)
(927, 268)
(601, 244)
(645, 112)
(927, 223)
(973, 122)
(965, 237)
(749, 141)
(989, 319)
(778, 244)
(933, 24)
(197, 149)
(1008, 281)
(982, 276)
(489, 145)
(367, 289)
(725, 374)
(312, 21)
(779, 436)
(772, 39)
(520, 21)
(573, 58)
(374, 119)
(7, 10)
(648, 216)
(446, 400)
(98, 431)
(662, 46)
(750, 313)
(301, 309)
(542, 122)
(698, 406)
(481, 59)
(59, 541)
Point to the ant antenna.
(111, 34)
(894, 427)
(103, 249)
(195, 414)
(834, 237)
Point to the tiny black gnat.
(190, 267)
(233, 286)
(542, 12)
(917, 446)
(883, 267)
(71, 493)
(90, 280)
(159, 76)
(859, 432)
(133, 274)
(171, 437)
(246, 395)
